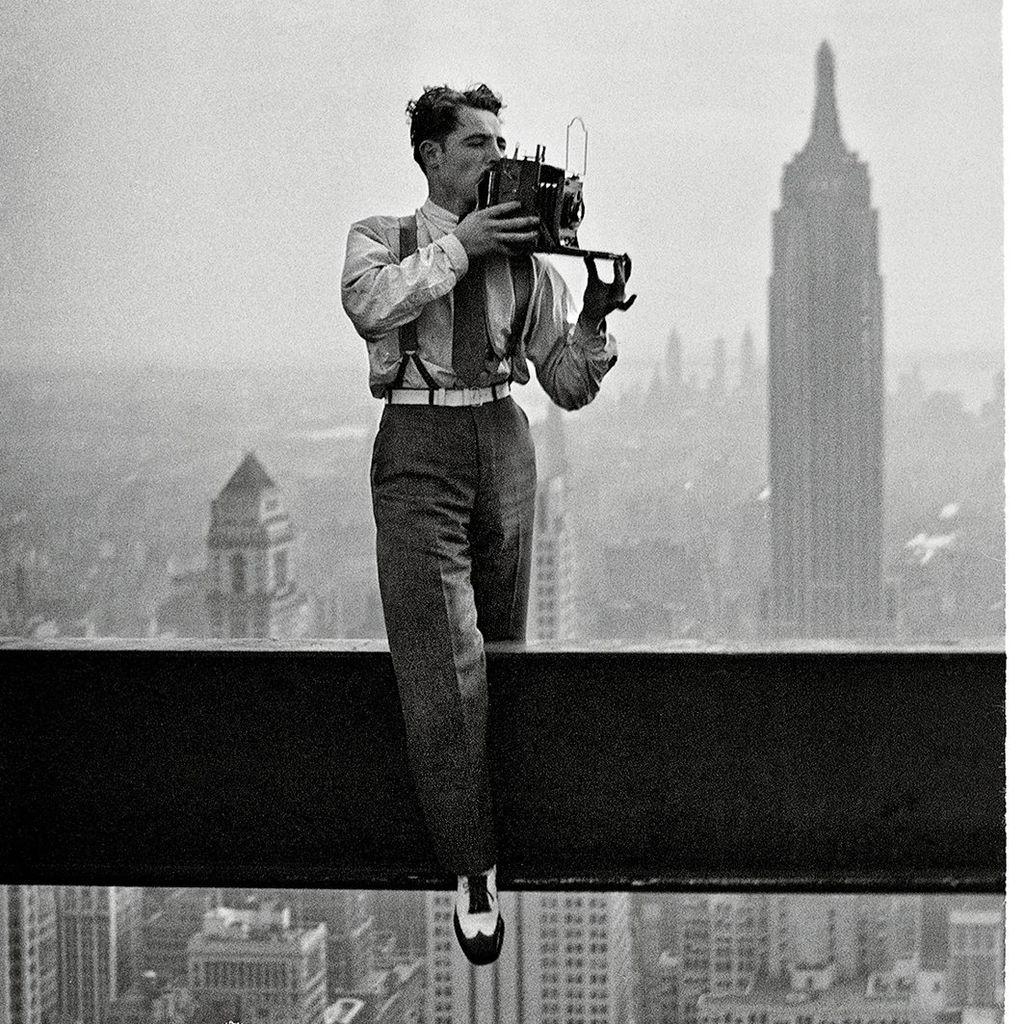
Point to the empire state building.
(826, 388)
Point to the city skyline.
(217, 209)
(713, 526)
(180, 955)
(658, 532)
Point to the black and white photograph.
(502, 512)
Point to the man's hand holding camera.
(491, 230)
(601, 297)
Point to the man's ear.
(430, 152)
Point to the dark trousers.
(453, 499)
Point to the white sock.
(474, 924)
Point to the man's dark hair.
(435, 115)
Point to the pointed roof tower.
(250, 477)
(248, 510)
(826, 168)
(826, 137)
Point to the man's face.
(472, 149)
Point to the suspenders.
(408, 341)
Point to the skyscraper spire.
(826, 136)
(826, 391)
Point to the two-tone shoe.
(477, 919)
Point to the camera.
(546, 192)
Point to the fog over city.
(177, 188)
(178, 179)
(176, 371)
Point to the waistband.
(448, 396)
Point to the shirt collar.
(438, 217)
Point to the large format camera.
(543, 191)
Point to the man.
(450, 310)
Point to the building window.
(238, 573)
(280, 568)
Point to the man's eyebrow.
(473, 136)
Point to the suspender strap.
(523, 281)
(408, 341)
(431, 383)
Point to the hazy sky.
(177, 178)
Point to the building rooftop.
(250, 477)
(343, 1011)
(268, 924)
(991, 918)
(777, 992)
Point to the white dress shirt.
(380, 294)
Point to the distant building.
(402, 913)
(648, 945)
(350, 930)
(147, 1002)
(815, 997)
(183, 613)
(251, 583)
(5, 955)
(974, 974)
(673, 359)
(717, 383)
(904, 927)
(255, 967)
(677, 997)
(28, 954)
(826, 388)
(658, 588)
(347, 1011)
(934, 952)
(722, 942)
(393, 993)
(99, 930)
(173, 1005)
(166, 932)
(567, 956)
(552, 608)
(747, 367)
(811, 930)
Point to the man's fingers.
(516, 223)
(629, 302)
(506, 237)
(623, 268)
(499, 208)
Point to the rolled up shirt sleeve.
(570, 358)
(379, 292)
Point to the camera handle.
(586, 141)
(566, 250)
